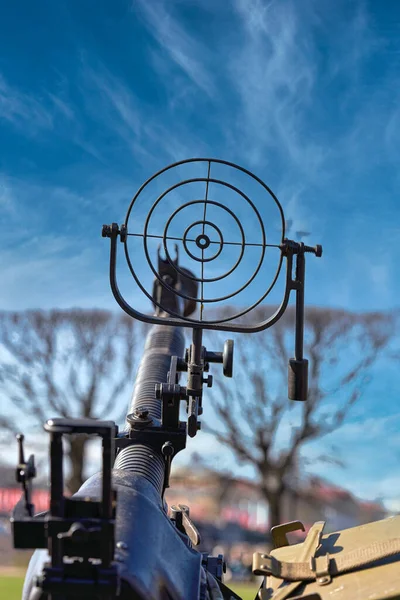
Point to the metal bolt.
(142, 413)
(106, 231)
(139, 419)
(123, 232)
(122, 546)
(168, 449)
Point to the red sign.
(10, 496)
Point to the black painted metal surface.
(151, 553)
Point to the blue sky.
(96, 96)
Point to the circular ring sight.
(213, 232)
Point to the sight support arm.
(298, 366)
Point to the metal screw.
(317, 250)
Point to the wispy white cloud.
(50, 271)
(274, 73)
(143, 129)
(63, 107)
(375, 427)
(369, 447)
(358, 42)
(47, 249)
(7, 202)
(46, 113)
(185, 51)
(33, 111)
(391, 130)
(57, 258)
(282, 77)
(23, 109)
(116, 95)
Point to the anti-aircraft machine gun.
(115, 539)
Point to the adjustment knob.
(227, 358)
(208, 380)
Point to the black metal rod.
(195, 381)
(183, 322)
(56, 477)
(197, 341)
(56, 492)
(168, 237)
(21, 456)
(108, 457)
(107, 508)
(300, 275)
(214, 357)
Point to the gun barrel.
(162, 343)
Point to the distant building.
(10, 496)
(224, 501)
(231, 510)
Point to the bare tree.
(74, 363)
(253, 409)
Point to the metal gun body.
(114, 539)
(156, 561)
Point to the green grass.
(245, 591)
(11, 589)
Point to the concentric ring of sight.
(204, 240)
(205, 279)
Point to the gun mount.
(73, 527)
(80, 532)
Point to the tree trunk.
(76, 454)
(275, 508)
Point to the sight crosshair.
(203, 241)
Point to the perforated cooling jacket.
(162, 343)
